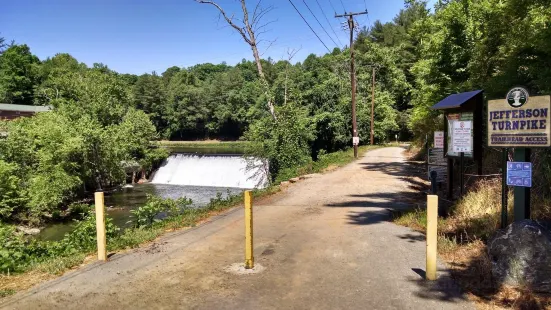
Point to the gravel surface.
(325, 243)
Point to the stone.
(312, 175)
(294, 180)
(284, 183)
(28, 230)
(521, 255)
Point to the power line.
(309, 25)
(328, 23)
(332, 6)
(366, 15)
(320, 23)
(343, 6)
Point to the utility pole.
(350, 17)
(372, 106)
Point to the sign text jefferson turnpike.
(525, 126)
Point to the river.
(179, 176)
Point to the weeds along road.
(325, 243)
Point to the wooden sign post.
(520, 122)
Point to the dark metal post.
(522, 194)
(461, 167)
(427, 150)
(504, 158)
(450, 177)
(433, 182)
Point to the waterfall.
(208, 170)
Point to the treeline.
(465, 45)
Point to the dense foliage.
(82, 145)
(18, 252)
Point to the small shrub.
(147, 214)
(13, 251)
(78, 210)
(219, 202)
(83, 238)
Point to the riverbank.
(135, 237)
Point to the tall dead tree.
(250, 28)
(290, 54)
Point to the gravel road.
(325, 243)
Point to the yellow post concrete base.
(432, 237)
(100, 226)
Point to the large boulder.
(521, 255)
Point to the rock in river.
(521, 255)
(28, 230)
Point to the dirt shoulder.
(325, 243)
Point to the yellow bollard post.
(432, 238)
(100, 226)
(249, 259)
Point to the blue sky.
(139, 36)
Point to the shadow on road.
(376, 207)
(373, 203)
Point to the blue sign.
(519, 174)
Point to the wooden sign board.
(527, 125)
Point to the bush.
(10, 190)
(13, 251)
(146, 215)
(283, 142)
(18, 252)
(84, 237)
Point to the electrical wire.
(328, 23)
(366, 15)
(309, 25)
(343, 6)
(320, 23)
(332, 6)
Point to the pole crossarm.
(351, 14)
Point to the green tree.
(18, 75)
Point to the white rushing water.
(206, 170)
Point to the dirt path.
(325, 243)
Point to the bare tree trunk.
(249, 30)
(290, 55)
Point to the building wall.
(9, 115)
